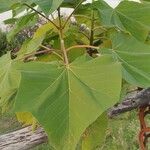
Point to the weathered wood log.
(23, 139)
(134, 100)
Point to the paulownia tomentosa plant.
(76, 67)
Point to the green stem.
(62, 43)
(82, 46)
(41, 15)
(40, 52)
(83, 16)
(92, 28)
(52, 51)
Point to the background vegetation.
(9, 46)
(122, 132)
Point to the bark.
(23, 139)
(134, 100)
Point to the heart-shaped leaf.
(33, 44)
(135, 58)
(71, 3)
(66, 100)
(47, 6)
(127, 16)
(25, 21)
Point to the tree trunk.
(23, 139)
(132, 101)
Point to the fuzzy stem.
(83, 16)
(62, 43)
(92, 28)
(41, 15)
(82, 46)
(40, 52)
(51, 50)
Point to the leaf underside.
(66, 100)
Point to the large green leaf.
(66, 100)
(47, 6)
(128, 16)
(11, 21)
(135, 58)
(6, 5)
(71, 3)
(9, 80)
(32, 45)
(22, 23)
(13, 4)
